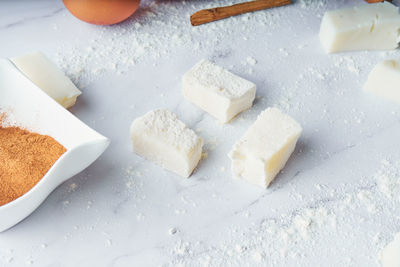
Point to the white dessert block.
(48, 77)
(265, 148)
(364, 27)
(217, 91)
(161, 137)
(390, 255)
(384, 80)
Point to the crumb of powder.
(172, 231)
(140, 217)
(72, 187)
(251, 61)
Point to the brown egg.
(102, 12)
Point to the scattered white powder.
(312, 4)
(292, 236)
(388, 179)
(252, 244)
(130, 183)
(131, 177)
(211, 144)
(257, 256)
(180, 211)
(7, 256)
(367, 198)
(351, 65)
(65, 203)
(158, 28)
(284, 52)
(181, 248)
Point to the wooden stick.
(213, 14)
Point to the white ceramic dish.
(31, 108)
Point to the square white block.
(384, 80)
(390, 255)
(48, 77)
(217, 91)
(364, 27)
(161, 137)
(265, 148)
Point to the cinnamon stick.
(213, 14)
(376, 1)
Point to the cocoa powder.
(25, 157)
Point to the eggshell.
(102, 12)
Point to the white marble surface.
(325, 209)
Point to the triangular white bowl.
(31, 108)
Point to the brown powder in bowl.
(25, 157)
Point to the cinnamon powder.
(25, 157)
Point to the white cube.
(384, 80)
(364, 27)
(265, 148)
(161, 137)
(217, 91)
(390, 255)
(48, 77)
